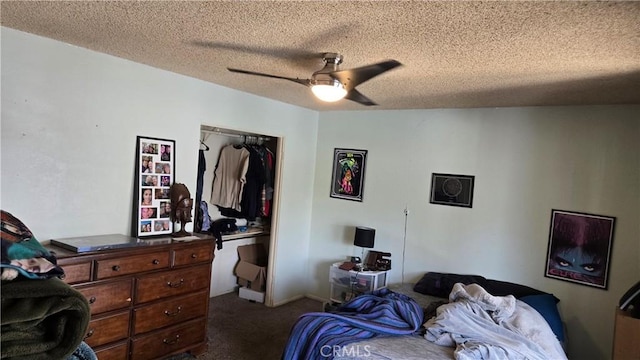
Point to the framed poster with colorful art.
(347, 181)
(154, 174)
(579, 248)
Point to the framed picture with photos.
(154, 174)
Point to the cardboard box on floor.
(257, 296)
(252, 267)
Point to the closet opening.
(237, 199)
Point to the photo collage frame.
(155, 173)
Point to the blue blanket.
(380, 313)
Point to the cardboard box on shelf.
(252, 267)
(245, 293)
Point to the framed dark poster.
(154, 174)
(579, 248)
(453, 190)
(347, 181)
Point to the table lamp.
(364, 238)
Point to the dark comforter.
(41, 319)
(381, 313)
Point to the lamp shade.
(364, 237)
(329, 90)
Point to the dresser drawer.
(106, 297)
(106, 329)
(170, 312)
(131, 264)
(113, 352)
(192, 255)
(77, 273)
(170, 283)
(156, 344)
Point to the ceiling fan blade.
(354, 77)
(304, 82)
(355, 95)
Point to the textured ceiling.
(454, 54)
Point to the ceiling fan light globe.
(329, 92)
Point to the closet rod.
(243, 136)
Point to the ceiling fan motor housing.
(322, 77)
(332, 58)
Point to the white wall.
(526, 161)
(70, 118)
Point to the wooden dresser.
(625, 336)
(146, 302)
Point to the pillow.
(440, 284)
(503, 288)
(545, 304)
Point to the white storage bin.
(347, 284)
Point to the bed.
(450, 316)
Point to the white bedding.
(482, 326)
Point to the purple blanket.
(380, 313)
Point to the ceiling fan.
(332, 84)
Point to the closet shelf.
(251, 232)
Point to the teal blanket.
(22, 254)
(41, 319)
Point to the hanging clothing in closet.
(201, 223)
(268, 160)
(230, 177)
(257, 189)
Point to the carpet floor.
(242, 330)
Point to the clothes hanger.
(206, 148)
(250, 140)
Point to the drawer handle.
(92, 299)
(171, 342)
(168, 313)
(89, 334)
(155, 262)
(193, 256)
(116, 267)
(176, 285)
